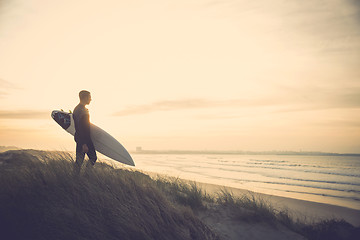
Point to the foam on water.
(326, 179)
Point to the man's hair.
(83, 94)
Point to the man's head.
(85, 97)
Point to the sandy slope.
(221, 221)
(300, 208)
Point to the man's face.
(88, 100)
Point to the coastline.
(323, 179)
(217, 217)
(300, 208)
(303, 209)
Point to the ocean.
(325, 179)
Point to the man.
(83, 140)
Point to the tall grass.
(185, 193)
(45, 200)
(252, 207)
(249, 207)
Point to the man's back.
(82, 124)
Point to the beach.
(220, 218)
(313, 211)
(300, 208)
(332, 185)
(333, 180)
(222, 222)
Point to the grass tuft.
(251, 207)
(248, 207)
(45, 200)
(185, 193)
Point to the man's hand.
(85, 148)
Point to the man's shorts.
(80, 155)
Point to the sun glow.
(184, 75)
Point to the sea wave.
(304, 175)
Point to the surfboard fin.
(62, 110)
(70, 111)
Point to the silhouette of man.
(83, 140)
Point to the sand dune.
(300, 208)
(221, 219)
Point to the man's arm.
(85, 148)
(84, 133)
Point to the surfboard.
(103, 141)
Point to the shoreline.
(216, 218)
(299, 208)
(302, 209)
(315, 179)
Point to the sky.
(184, 75)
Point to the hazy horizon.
(205, 75)
(208, 151)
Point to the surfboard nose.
(53, 113)
(62, 118)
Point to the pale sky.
(183, 74)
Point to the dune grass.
(248, 207)
(46, 200)
(251, 207)
(254, 208)
(184, 193)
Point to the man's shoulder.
(77, 109)
(80, 110)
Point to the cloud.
(24, 114)
(166, 105)
(356, 7)
(2, 94)
(348, 100)
(188, 104)
(317, 99)
(5, 86)
(292, 101)
(339, 123)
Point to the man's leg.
(92, 155)
(80, 155)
